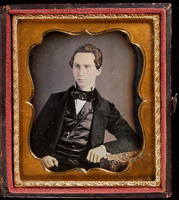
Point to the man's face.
(85, 71)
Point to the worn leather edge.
(3, 177)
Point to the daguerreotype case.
(37, 43)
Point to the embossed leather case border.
(146, 27)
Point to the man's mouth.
(81, 79)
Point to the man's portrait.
(85, 100)
(69, 130)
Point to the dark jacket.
(47, 128)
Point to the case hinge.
(174, 102)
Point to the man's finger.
(95, 158)
(92, 156)
(98, 159)
(88, 156)
(46, 163)
(50, 162)
(55, 162)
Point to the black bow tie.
(82, 95)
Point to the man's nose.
(81, 71)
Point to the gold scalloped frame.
(145, 170)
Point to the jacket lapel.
(97, 131)
(62, 103)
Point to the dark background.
(174, 70)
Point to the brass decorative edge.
(84, 183)
(16, 102)
(18, 181)
(156, 20)
(85, 16)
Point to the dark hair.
(89, 48)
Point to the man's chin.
(82, 86)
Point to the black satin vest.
(74, 140)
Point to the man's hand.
(49, 161)
(95, 155)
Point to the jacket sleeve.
(40, 136)
(127, 139)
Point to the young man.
(69, 132)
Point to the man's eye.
(87, 66)
(77, 65)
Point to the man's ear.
(99, 71)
